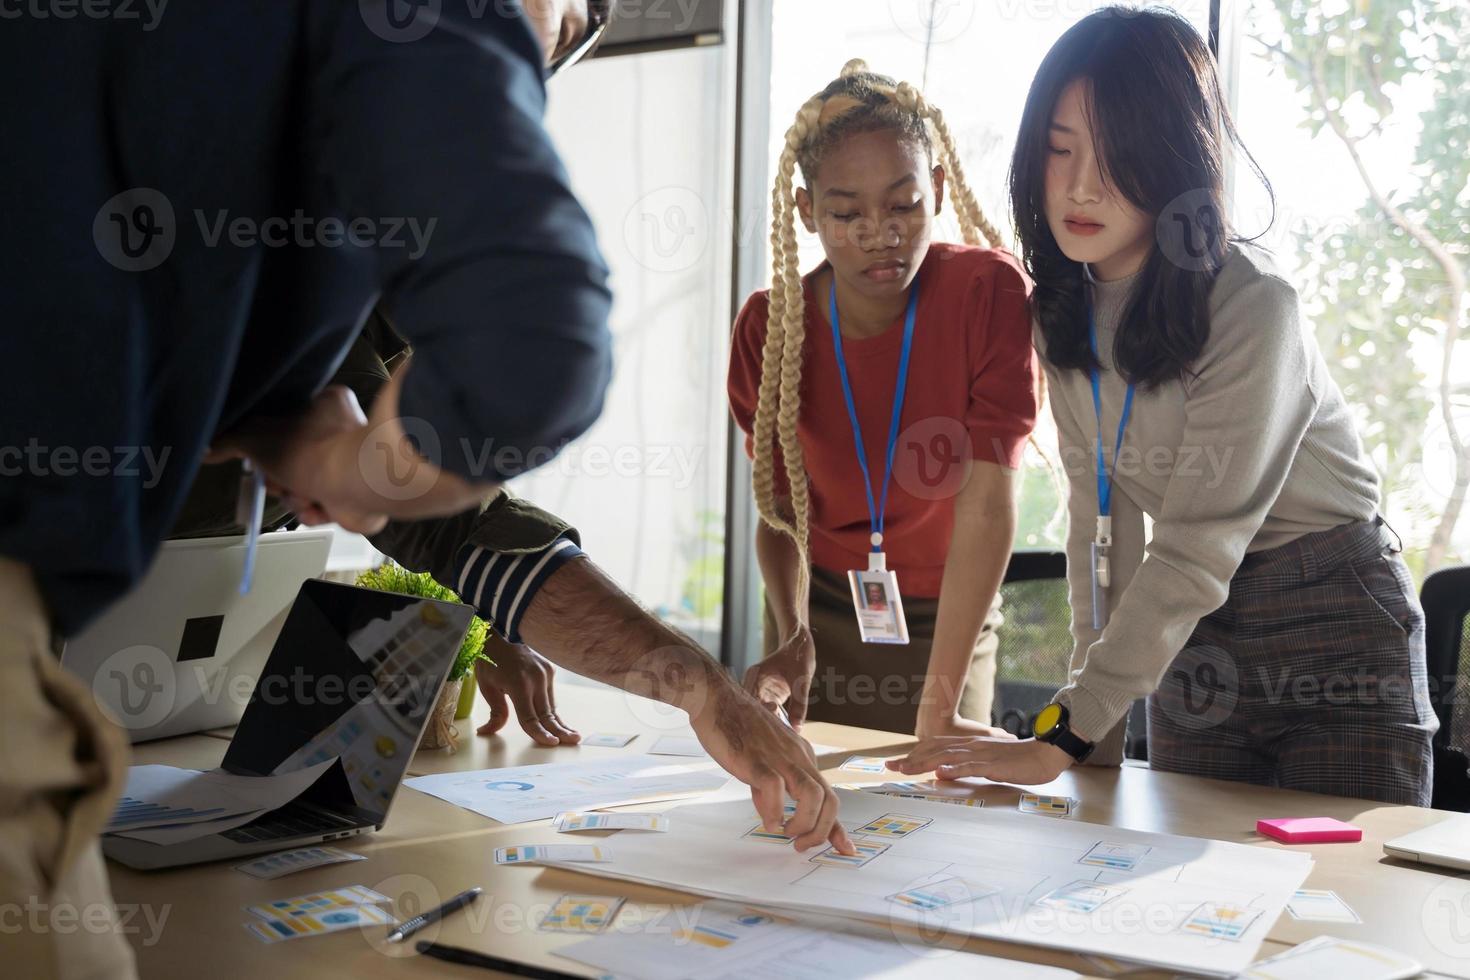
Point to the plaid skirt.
(1311, 676)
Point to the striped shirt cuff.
(501, 586)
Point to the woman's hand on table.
(1004, 760)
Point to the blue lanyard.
(1105, 473)
(876, 512)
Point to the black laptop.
(354, 677)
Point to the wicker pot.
(441, 733)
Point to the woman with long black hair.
(1268, 618)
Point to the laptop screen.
(353, 676)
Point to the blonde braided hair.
(878, 103)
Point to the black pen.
(433, 915)
(468, 957)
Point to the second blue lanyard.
(876, 508)
(1104, 472)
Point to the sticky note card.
(893, 826)
(1219, 920)
(1309, 830)
(572, 821)
(866, 851)
(536, 853)
(863, 763)
(289, 862)
(319, 923)
(1315, 905)
(1051, 806)
(760, 834)
(938, 894)
(1080, 896)
(607, 741)
(306, 905)
(580, 913)
(1115, 857)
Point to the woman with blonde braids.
(886, 397)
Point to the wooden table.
(430, 850)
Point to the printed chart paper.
(528, 793)
(1180, 903)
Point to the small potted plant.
(441, 733)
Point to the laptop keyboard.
(288, 821)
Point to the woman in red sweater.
(886, 397)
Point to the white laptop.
(181, 653)
(1446, 843)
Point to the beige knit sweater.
(1256, 450)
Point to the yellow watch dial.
(1047, 718)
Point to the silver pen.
(433, 915)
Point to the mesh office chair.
(1036, 644)
(1446, 600)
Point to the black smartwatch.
(1052, 726)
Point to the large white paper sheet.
(726, 941)
(1134, 895)
(527, 793)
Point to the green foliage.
(1372, 289)
(392, 577)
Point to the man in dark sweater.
(201, 209)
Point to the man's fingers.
(531, 716)
(499, 710)
(825, 816)
(807, 792)
(768, 795)
(546, 710)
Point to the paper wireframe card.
(893, 826)
(572, 821)
(865, 852)
(1115, 857)
(1080, 896)
(580, 913)
(1219, 920)
(289, 862)
(536, 853)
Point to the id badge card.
(878, 604)
(1101, 576)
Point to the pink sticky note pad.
(1309, 830)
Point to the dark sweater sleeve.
(496, 281)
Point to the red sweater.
(971, 395)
